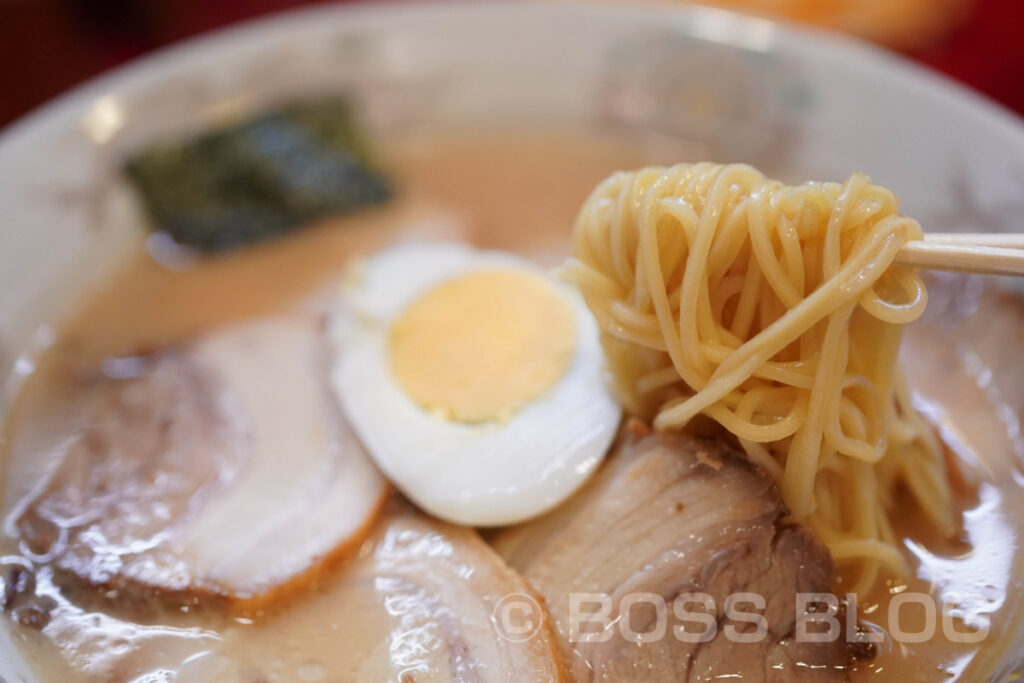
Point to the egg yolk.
(481, 346)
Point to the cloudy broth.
(517, 191)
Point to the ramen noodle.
(775, 312)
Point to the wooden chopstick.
(987, 254)
(1008, 240)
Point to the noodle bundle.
(775, 312)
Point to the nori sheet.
(259, 178)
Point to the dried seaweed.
(259, 178)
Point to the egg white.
(483, 474)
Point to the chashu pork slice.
(422, 602)
(672, 515)
(434, 603)
(223, 470)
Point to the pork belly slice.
(418, 604)
(672, 515)
(442, 588)
(222, 470)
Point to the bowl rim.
(849, 52)
(848, 55)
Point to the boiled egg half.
(474, 380)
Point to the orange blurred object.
(902, 24)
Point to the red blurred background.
(47, 46)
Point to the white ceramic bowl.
(799, 104)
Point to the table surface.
(47, 46)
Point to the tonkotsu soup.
(397, 594)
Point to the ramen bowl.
(688, 82)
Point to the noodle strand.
(776, 312)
